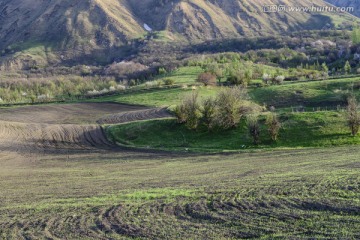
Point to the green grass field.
(183, 75)
(299, 130)
(205, 185)
(311, 94)
(294, 194)
(157, 97)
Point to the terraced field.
(61, 179)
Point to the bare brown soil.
(65, 126)
(135, 116)
(80, 113)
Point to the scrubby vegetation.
(166, 122)
(298, 130)
(59, 88)
(222, 112)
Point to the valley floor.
(62, 179)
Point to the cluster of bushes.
(158, 83)
(104, 91)
(240, 72)
(36, 71)
(268, 79)
(129, 70)
(231, 105)
(223, 112)
(272, 123)
(243, 72)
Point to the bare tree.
(273, 124)
(254, 127)
(353, 116)
(207, 78)
(180, 113)
(278, 80)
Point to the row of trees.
(223, 112)
(243, 77)
(242, 72)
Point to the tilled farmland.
(62, 179)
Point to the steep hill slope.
(50, 31)
(70, 23)
(348, 3)
(199, 20)
(39, 28)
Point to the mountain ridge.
(69, 29)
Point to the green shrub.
(229, 102)
(238, 79)
(168, 82)
(208, 112)
(189, 112)
(132, 82)
(273, 124)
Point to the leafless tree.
(207, 78)
(253, 127)
(273, 124)
(353, 116)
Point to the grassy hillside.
(279, 194)
(311, 94)
(312, 129)
(158, 97)
(327, 93)
(349, 3)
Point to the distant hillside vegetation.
(348, 3)
(39, 32)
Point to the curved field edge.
(299, 130)
(287, 194)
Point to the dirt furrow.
(135, 116)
